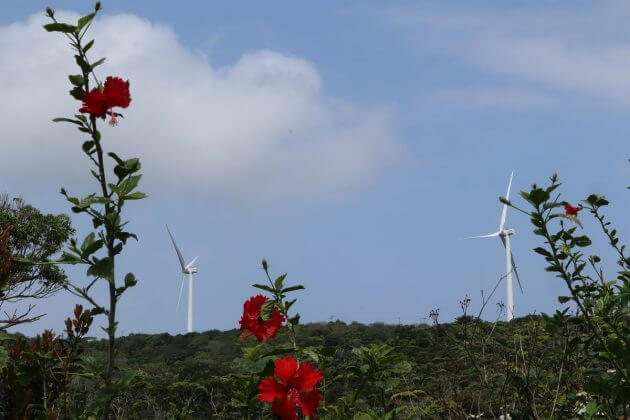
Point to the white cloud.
(261, 127)
(579, 54)
(599, 70)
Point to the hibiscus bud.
(264, 264)
(50, 12)
(97, 6)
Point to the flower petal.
(270, 389)
(284, 409)
(308, 402)
(307, 377)
(285, 369)
(116, 91)
(94, 103)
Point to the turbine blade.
(181, 288)
(504, 211)
(518, 280)
(190, 264)
(490, 235)
(179, 254)
(514, 270)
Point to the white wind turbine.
(510, 266)
(189, 269)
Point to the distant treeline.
(455, 370)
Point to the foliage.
(602, 303)
(37, 374)
(28, 234)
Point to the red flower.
(297, 388)
(570, 210)
(94, 103)
(252, 321)
(115, 93)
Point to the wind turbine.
(510, 266)
(189, 269)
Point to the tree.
(28, 234)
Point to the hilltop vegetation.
(468, 367)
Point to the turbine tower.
(189, 269)
(510, 266)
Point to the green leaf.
(85, 20)
(591, 408)
(88, 46)
(60, 27)
(312, 354)
(89, 239)
(132, 164)
(279, 281)
(537, 196)
(292, 288)
(103, 268)
(98, 63)
(87, 146)
(267, 309)
(135, 196)
(582, 241)
(563, 299)
(123, 236)
(263, 287)
(67, 120)
(76, 79)
(130, 280)
(85, 67)
(125, 187)
(91, 249)
(542, 251)
(113, 219)
(288, 304)
(115, 157)
(268, 370)
(596, 200)
(295, 319)
(68, 258)
(553, 268)
(77, 93)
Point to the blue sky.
(352, 145)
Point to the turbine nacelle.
(507, 232)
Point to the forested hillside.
(443, 370)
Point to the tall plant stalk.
(104, 207)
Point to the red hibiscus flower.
(94, 103)
(570, 210)
(252, 321)
(296, 388)
(115, 93)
